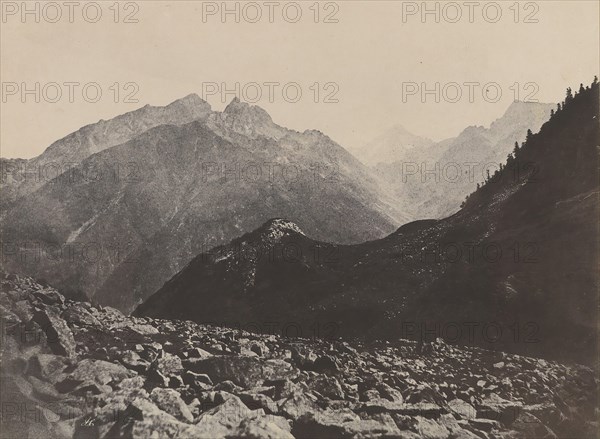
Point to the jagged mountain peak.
(235, 102)
(241, 118)
(191, 101)
(522, 113)
(239, 108)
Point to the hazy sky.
(366, 59)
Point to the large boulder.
(79, 315)
(169, 401)
(59, 336)
(93, 372)
(224, 419)
(462, 409)
(169, 364)
(326, 385)
(47, 366)
(269, 427)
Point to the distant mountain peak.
(191, 101)
(243, 109)
(245, 119)
(235, 102)
(525, 115)
(391, 146)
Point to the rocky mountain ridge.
(21, 177)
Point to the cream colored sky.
(369, 53)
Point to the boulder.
(169, 401)
(143, 329)
(299, 405)
(49, 297)
(199, 381)
(142, 419)
(98, 372)
(430, 429)
(326, 385)
(59, 336)
(224, 419)
(133, 361)
(169, 364)
(527, 425)
(389, 392)
(47, 366)
(256, 401)
(462, 409)
(79, 315)
(198, 353)
(325, 364)
(499, 409)
(263, 428)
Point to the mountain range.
(122, 219)
(145, 197)
(21, 177)
(435, 178)
(519, 257)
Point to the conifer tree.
(569, 95)
(529, 134)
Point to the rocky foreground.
(71, 369)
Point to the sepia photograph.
(303, 219)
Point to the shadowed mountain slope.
(522, 251)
